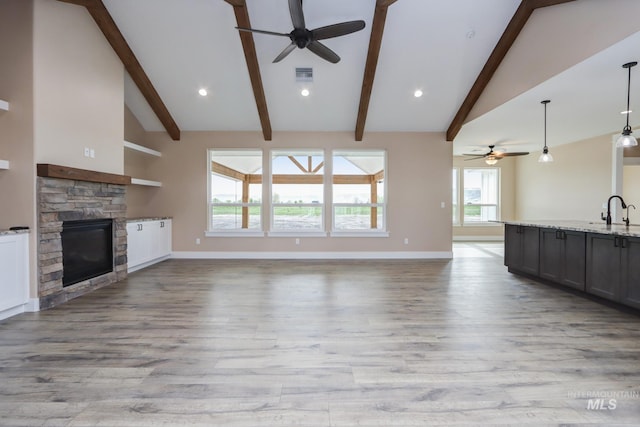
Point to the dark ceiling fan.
(495, 155)
(301, 37)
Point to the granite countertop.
(148, 218)
(8, 232)
(632, 230)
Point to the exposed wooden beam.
(249, 48)
(375, 41)
(507, 39)
(120, 46)
(227, 171)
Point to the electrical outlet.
(442, 205)
(86, 151)
(197, 241)
(406, 240)
(297, 241)
(92, 153)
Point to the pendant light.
(545, 157)
(626, 139)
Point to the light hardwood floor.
(323, 343)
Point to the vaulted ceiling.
(449, 49)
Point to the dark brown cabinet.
(613, 268)
(562, 257)
(521, 248)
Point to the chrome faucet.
(626, 221)
(608, 218)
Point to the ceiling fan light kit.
(626, 139)
(302, 38)
(545, 157)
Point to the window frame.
(271, 206)
(359, 232)
(461, 215)
(237, 232)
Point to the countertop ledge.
(10, 232)
(617, 229)
(149, 218)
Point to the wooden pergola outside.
(309, 177)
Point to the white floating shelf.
(138, 181)
(4, 164)
(142, 149)
(4, 105)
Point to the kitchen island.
(591, 257)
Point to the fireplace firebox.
(87, 250)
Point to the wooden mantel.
(46, 170)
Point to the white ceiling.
(184, 45)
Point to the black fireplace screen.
(87, 250)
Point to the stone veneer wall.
(70, 200)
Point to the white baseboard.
(147, 264)
(32, 305)
(478, 238)
(311, 255)
(10, 312)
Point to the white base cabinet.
(14, 274)
(148, 242)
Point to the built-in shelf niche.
(146, 150)
(4, 164)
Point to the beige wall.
(419, 171)
(78, 90)
(507, 168)
(631, 190)
(574, 34)
(573, 187)
(17, 185)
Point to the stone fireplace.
(71, 195)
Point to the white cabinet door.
(137, 246)
(164, 240)
(147, 241)
(14, 270)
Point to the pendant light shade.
(627, 139)
(545, 157)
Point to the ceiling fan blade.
(521, 153)
(297, 17)
(271, 33)
(476, 154)
(287, 50)
(474, 158)
(337, 30)
(323, 52)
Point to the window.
(359, 190)
(235, 190)
(481, 195)
(297, 191)
(455, 201)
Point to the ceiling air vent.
(304, 74)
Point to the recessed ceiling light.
(417, 93)
(203, 92)
(304, 92)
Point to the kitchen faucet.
(608, 218)
(626, 221)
